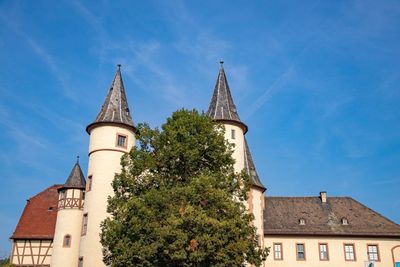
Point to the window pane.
(349, 252)
(278, 251)
(121, 140)
(323, 251)
(373, 252)
(300, 252)
(232, 134)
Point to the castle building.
(60, 226)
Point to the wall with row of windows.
(330, 251)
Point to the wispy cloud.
(43, 54)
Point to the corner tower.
(223, 110)
(69, 220)
(112, 134)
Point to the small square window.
(122, 140)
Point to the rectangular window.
(323, 252)
(89, 183)
(373, 252)
(80, 263)
(232, 134)
(121, 140)
(278, 251)
(84, 223)
(349, 252)
(301, 252)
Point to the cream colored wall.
(28, 252)
(104, 163)
(238, 153)
(255, 202)
(69, 222)
(257, 208)
(335, 248)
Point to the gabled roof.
(222, 107)
(38, 220)
(282, 215)
(75, 178)
(251, 168)
(115, 108)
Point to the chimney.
(323, 196)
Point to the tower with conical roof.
(111, 135)
(223, 110)
(69, 220)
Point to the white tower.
(223, 110)
(111, 135)
(69, 220)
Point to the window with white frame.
(349, 252)
(323, 252)
(373, 254)
(278, 251)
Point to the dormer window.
(345, 221)
(302, 221)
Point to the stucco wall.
(335, 248)
(104, 163)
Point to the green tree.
(178, 201)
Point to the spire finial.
(77, 159)
(222, 63)
(119, 66)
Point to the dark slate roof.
(115, 108)
(251, 168)
(38, 220)
(222, 106)
(282, 215)
(76, 179)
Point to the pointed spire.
(222, 107)
(115, 108)
(251, 168)
(75, 178)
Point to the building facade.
(60, 226)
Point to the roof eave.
(93, 125)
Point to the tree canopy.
(178, 201)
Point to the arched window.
(67, 241)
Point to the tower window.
(67, 241)
(80, 263)
(233, 134)
(84, 224)
(122, 140)
(89, 183)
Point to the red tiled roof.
(38, 220)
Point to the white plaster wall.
(69, 222)
(335, 248)
(238, 153)
(104, 163)
(257, 208)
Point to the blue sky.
(317, 82)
